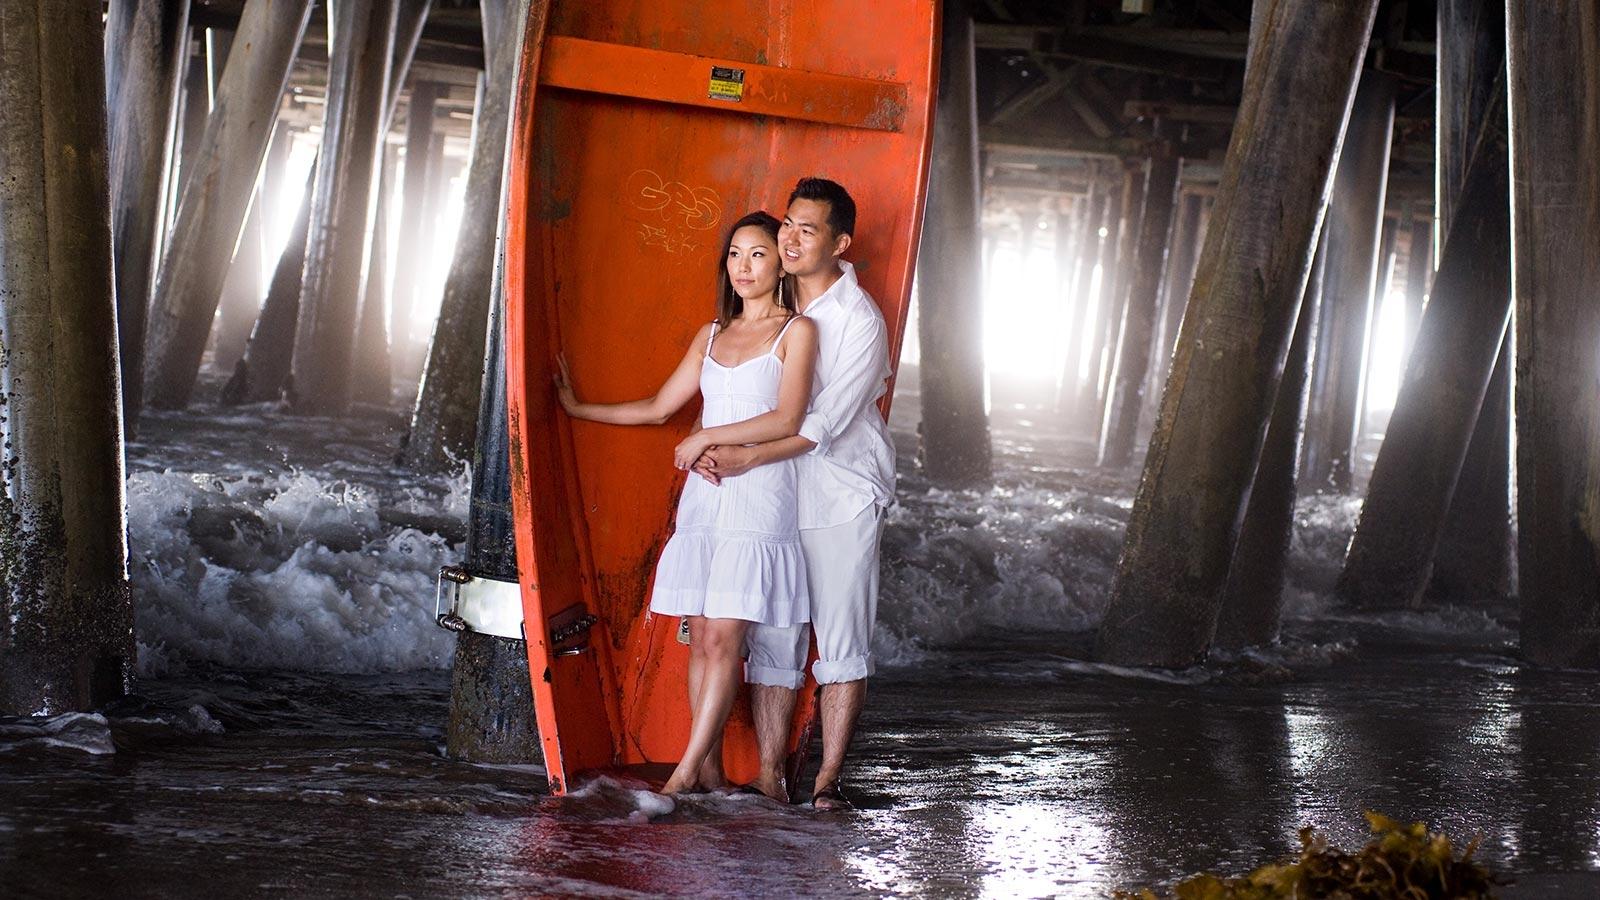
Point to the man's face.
(806, 241)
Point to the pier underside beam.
(1391, 554)
(1252, 606)
(1476, 560)
(1355, 223)
(1253, 270)
(1554, 78)
(216, 195)
(955, 448)
(147, 45)
(1138, 331)
(66, 614)
(445, 416)
(342, 201)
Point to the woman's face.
(753, 264)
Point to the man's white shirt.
(852, 465)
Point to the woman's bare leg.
(711, 775)
(722, 672)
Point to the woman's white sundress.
(735, 553)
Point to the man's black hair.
(841, 207)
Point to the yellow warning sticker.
(727, 84)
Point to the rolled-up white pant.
(842, 569)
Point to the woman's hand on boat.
(564, 391)
(688, 451)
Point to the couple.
(778, 526)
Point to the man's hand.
(724, 461)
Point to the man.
(846, 482)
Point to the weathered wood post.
(1091, 213)
(66, 614)
(146, 46)
(1391, 554)
(371, 381)
(1348, 301)
(1180, 277)
(491, 697)
(1555, 138)
(242, 289)
(1087, 408)
(1252, 601)
(194, 109)
(955, 448)
(1415, 480)
(263, 372)
(414, 187)
(1419, 274)
(444, 418)
(215, 197)
(1476, 559)
(1127, 383)
(1114, 287)
(1236, 334)
(342, 201)
(1381, 287)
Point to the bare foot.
(830, 798)
(675, 786)
(712, 777)
(772, 785)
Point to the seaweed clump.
(1401, 862)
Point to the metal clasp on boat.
(467, 602)
(569, 630)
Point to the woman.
(735, 556)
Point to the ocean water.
(286, 736)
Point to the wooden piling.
(1380, 295)
(1087, 408)
(491, 700)
(1186, 238)
(263, 373)
(1476, 563)
(1253, 270)
(1252, 604)
(1476, 559)
(1355, 221)
(1076, 284)
(371, 380)
(242, 288)
(1554, 77)
(1127, 383)
(1115, 295)
(413, 193)
(444, 418)
(146, 46)
(66, 614)
(342, 201)
(1392, 551)
(1419, 275)
(955, 449)
(215, 197)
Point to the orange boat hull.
(642, 128)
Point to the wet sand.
(993, 760)
(1009, 769)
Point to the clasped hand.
(689, 450)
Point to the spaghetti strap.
(711, 337)
(779, 339)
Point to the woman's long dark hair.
(729, 303)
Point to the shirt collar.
(844, 286)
